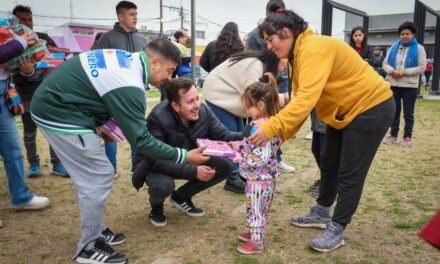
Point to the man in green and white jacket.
(81, 95)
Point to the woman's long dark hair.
(270, 61)
(275, 23)
(364, 41)
(228, 42)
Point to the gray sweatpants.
(92, 175)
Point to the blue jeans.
(10, 149)
(111, 149)
(230, 121)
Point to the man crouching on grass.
(179, 122)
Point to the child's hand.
(234, 145)
(237, 158)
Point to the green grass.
(400, 195)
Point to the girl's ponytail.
(272, 81)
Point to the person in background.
(95, 42)
(123, 36)
(254, 41)
(183, 43)
(376, 61)
(227, 43)
(359, 42)
(10, 147)
(26, 82)
(428, 71)
(404, 63)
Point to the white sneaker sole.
(59, 174)
(90, 261)
(328, 249)
(322, 226)
(286, 170)
(243, 239)
(248, 253)
(116, 243)
(32, 206)
(183, 210)
(158, 224)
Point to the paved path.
(432, 97)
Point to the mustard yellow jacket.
(327, 74)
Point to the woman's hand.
(397, 74)
(258, 138)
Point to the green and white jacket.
(85, 91)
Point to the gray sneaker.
(330, 239)
(389, 140)
(315, 218)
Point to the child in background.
(258, 165)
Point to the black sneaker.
(113, 239)
(157, 216)
(186, 206)
(235, 184)
(100, 253)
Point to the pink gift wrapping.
(112, 129)
(216, 148)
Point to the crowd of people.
(258, 94)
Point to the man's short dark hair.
(411, 26)
(164, 48)
(123, 5)
(21, 9)
(175, 85)
(273, 5)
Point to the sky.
(246, 13)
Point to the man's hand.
(106, 137)
(205, 173)
(196, 157)
(26, 65)
(258, 138)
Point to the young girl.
(258, 165)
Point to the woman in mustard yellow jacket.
(349, 96)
